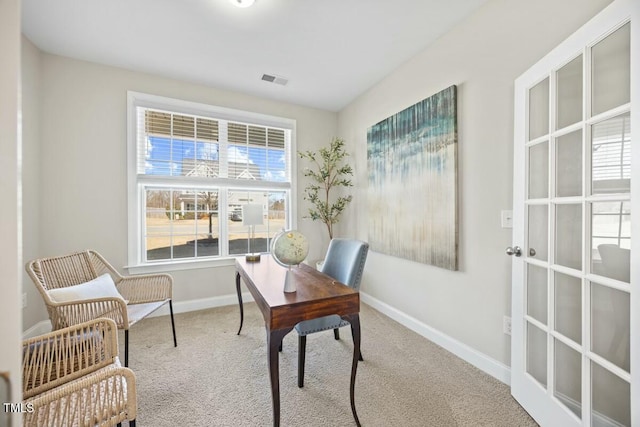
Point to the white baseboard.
(38, 329)
(480, 360)
(201, 304)
(178, 307)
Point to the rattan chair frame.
(81, 267)
(72, 377)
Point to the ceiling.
(330, 51)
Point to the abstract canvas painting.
(412, 193)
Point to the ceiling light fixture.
(242, 3)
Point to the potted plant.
(328, 170)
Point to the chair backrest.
(61, 271)
(69, 270)
(345, 261)
(60, 356)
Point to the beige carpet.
(216, 378)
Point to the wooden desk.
(317, 295)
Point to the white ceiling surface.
(330, 50)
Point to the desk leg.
(354, 320)
(239, 301)
(274, 340)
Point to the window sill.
(161, 267)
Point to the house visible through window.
(192, 168)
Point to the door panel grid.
(572, 344)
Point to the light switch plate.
(506, 219)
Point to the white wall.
(31, 178)
(482, 56)
(82, 149)
(10, 194)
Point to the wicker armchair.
(72, 377)
(138, 295)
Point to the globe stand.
(289, 283)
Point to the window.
(191, 169)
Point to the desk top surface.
(316, 293)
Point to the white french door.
(576, 306)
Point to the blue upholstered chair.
(344, 262)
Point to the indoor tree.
(327, 171)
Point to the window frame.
(136, 183)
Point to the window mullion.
(171, 136)
(223, 214)
(223, 149)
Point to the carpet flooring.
(217, 378)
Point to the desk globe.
(289, 247)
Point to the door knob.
(516, 250)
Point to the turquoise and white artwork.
(412, 193)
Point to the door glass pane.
(569, 81)
(611, 71)
(568, 242)
(569, 165)
(611, 398)
(538, 222)
(537, 353)
(611, 155)
(568, 377)
(539, 109)
(537, 293)
(539, 171)
(610, 324)
(568, 306)
(611, 239)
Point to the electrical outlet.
(506, 325)
(24, 300)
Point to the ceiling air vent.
(275, 79)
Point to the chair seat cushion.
(137, 312)
(100, 287)
(320, 324)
